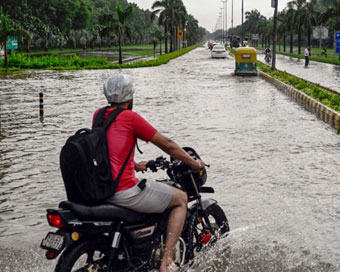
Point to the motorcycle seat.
(106, 211)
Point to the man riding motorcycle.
(267, 54)
(150, 196)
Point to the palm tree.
(191, 28)
(162, 8)
(116, 23)
(332, 9)
(172, 14)
(297, 10)
(282, 27)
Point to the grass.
(53, 62)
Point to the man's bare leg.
(179, 204)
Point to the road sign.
(320, 32)
(255, 36)
(274, 3)
(180, 34)
(12, 43)
(337, 42)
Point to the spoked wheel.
(198, 235)
(89, 256)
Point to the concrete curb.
(325, 113)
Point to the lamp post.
(220, 21)
(274, 5)
(242, 36)
(222, 9)
(232, 13)
(226, 18)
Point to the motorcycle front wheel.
(198, 236)
(90, 255)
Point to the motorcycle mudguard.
(205, 203)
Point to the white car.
(219, 51)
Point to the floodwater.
(327, 75)
(274, 166)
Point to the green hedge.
(21, 61)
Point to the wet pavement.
(327, 75)
(274, 166)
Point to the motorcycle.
(268, 57)
(112, 238)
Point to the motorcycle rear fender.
(206, 203)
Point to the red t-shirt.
(121, 135)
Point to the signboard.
(274, 3)
(337, 42)
(180, 34)
(12, 43)
(320, 32)
(255, 36)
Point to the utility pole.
(232, 13)
(226, 18)
(223, 14)
(222, 21)
(274, 5)
(242, 36)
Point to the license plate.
(53, 241)
(219, 52)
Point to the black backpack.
(85, 164)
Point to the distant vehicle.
(268, 57)
(245, 43)
(235, 44)
(245, 61)
(219, 51)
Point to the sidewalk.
(327, 75)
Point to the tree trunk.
(309, 36)
(284, 42)
(5, 51)
(171, 39)
(291, 43)
(166, 38)
(120, 50)
(160, 46)
(299, 42)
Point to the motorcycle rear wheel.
(90, 255)
(197, 227)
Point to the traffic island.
(325, 113)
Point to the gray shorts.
(154, 198)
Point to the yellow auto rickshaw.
(245, 61)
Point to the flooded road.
(274, 166)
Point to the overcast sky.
(207, 11)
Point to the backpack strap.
(124, 165)
(99, 120)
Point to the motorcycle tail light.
(205, 237)
(55, 220)
(51, 254)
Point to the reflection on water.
(274, 167)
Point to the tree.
(7, 29)
(117, 23)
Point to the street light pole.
(274, 5)
(222, 21)
(232, 13)
(226, 18)
(223, 15)
(242, 37)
